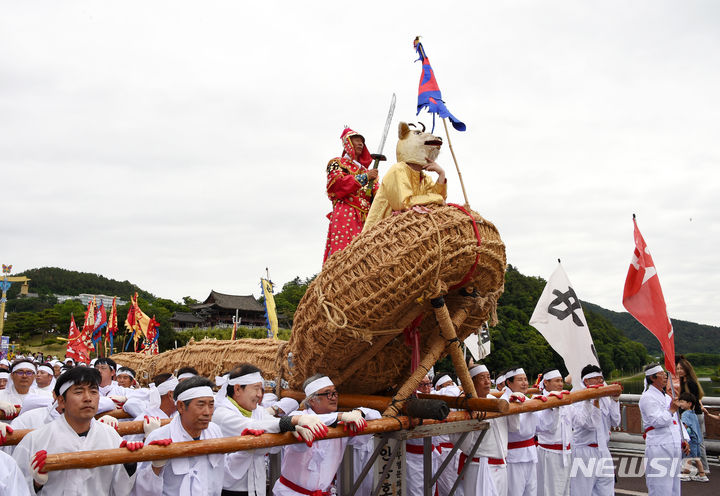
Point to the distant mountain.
(53, 280)
(689, 336)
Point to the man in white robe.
(311, 469)
(554, 434)
(75, 430)
(592, 471)
(664, 435)
(444, 386)
(189, 476)
(237, 413)
(12, 481)
(522, 453)
(415, 453)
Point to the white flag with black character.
(560, 319)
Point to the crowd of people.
(556, 451)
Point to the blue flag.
(429, 95)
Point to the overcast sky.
(182, 145)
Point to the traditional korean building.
(185, 320)
(218, 309)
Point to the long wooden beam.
(124, 429)
(91, 459)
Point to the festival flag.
(429, 95)
(137, 323)
(88, 325)
(559, 317)
(270, 310)
(100, 322)
(76, 347)
(112, 326)
(643, 298)
(152, 333)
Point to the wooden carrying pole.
(380, 403)
(124, 429)
(91, 459)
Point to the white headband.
(443, 380)
(4, 375)
(196, 392)
(513, 373)
(185, 375)
(591, 375)
(500, 378)
(24, 366)
(46, 369)
(125, 372)
(67, 385)
(154, 397)
(655, 370)
(317, 385)
(243, 380)
(553, 374)
(221, 379)
(478, 370)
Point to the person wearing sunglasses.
(310, 468)
(19, 386)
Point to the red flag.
(643, 298)
(76, 347)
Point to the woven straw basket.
(353, 314)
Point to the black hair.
(107, 361)
(439, 375)
(160, 378)
(589, 369)
(78, 375)
(189, 383)
(126, 369)
(242, 369)
(187, 370)
(22, 360)
(511, 379)
(687, 396)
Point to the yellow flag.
(270, 311)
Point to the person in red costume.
(349, 190)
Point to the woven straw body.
(380, 283)
(210, 357)
(349, 325)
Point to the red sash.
(557, 447)
(651, 428)
(417, 449)
(495, 461)
(463, 461)
(444, 445)
(302, 490)
(521, 444)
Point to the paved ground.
(635, 486)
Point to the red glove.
(558, 394)
(5, 429)
(131, 446)
(517, 397)
(37, 464)
(252, 432)
(161, 442)
(539, 397)
(595, 386)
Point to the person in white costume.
(592, 471)
(12, 481)
(414, 452)
(665, 437)
(310, 468)
(445, 386)
(203, 474)
(45, 378)
(554, 435)
(477, 480)
(75, 430)
(125, 377)
(522, 453)
(237, 414)
(19, 387)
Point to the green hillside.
(689, 336)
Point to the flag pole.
(462, 184)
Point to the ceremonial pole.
(457, 167)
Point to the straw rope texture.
(349, 325)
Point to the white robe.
(313, 468)
(553, 470)
(522, 462)
(245, 471)
(444, 445)
(663, 443)
(591, 425)
(193, 476)
(59, 437)
(12, 481)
